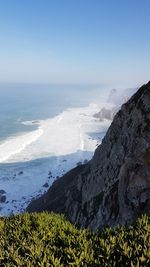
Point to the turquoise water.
(21, 102)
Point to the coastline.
(65, 141)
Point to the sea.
(45, 130)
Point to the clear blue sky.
(75, 41)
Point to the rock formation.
(119, 97)
(106, 113)
(115, 99)
(2, 196)
(112, 96)
(114, 187)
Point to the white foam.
(57, 145)
(15, 145)
(30, 123)
(61, 135)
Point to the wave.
(62, 135)
(15, 145)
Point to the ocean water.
(44, 132)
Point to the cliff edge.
(114, 187)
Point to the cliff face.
(114, 187)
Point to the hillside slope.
(114, 187)
(49, 240)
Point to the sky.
(105, 42)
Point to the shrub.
(48, 239)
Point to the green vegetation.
(47, 239)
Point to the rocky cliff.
(114, 187)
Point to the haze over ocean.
(23, 102)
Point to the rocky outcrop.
(112, 96)
(2, 196)
(119, 97)
(115, 100)
(106, 113)
(114, 187)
